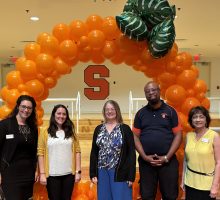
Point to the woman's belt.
(201, 173)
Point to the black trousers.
(166, 175)
(60, 187)
(194, 194)
(18, 191)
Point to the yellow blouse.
(199, 156)
(42, 150)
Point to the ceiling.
(197, 23)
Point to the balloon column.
(150, 20)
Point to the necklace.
(25, 131)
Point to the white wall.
(125, 77)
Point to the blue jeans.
(108, 189)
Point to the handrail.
(72, 100)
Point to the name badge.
(206, 140)
(10, 136)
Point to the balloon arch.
(97, 39)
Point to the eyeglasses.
(153, 90)
(110, 110)
(23, 107)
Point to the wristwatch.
(78, 171)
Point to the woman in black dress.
(18, 150)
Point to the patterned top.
(109, 147)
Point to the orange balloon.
(13, 79)
(28, 70)
(110, 28)
(83, 42)
(166, 79)
(31, 51)
(49, 45)
(12, 97)
(97, 57)
(78, 29)
(206, 103)
(45, 63)
(60, 66)
(42, 36)
(187, 78)
(175, 94)
(188, 104)
(43, 96)
(40, 121)
(19, 62)
(200, 86)
(68, 49)
(22, 87)
(35, 87)
(94, 22)
(40, 112)
(84, 56)
(96, 39)
(81, 197)
(61, 32)
(4, 111)
(196, 70)
(171, 67)
(118, 58)
(50, 82)
(109, 49)
(130, 59)
(153, 70)
(187, 59)
(190, 93)
(4, 93)
(200, 96)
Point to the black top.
(157, 128)
(126, 168)
(18, 152)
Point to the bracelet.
(166, 159)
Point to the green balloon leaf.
(132, 26)
(154, 12)
(161, 38)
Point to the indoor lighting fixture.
(34, 18)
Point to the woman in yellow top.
(59, 155)
(202, 157)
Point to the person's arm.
(78, 167)
(41, 153)
(175, 144)
(139, 147)
(42, 173)
(216, 179)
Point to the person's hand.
(43, 179)
(94, 180)
(36, 176)
(154, 160)
(129, 183)
(182, 186)
(213, 192)
(77, 177)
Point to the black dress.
(19, 173)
